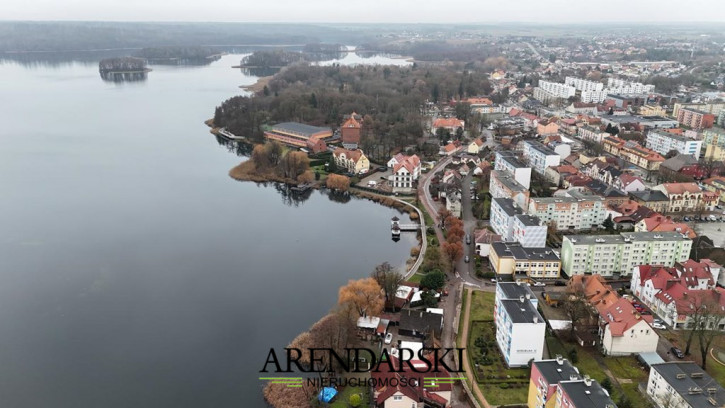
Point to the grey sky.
(370, 11)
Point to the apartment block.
(507, 160)
(664, 142)
(633, 153)
(509, 221)
(502, 184)
(576, 211)
(714, 142)
(557, 90)
(683, 384)
(695, 119)
(520, 329)
(619, 86)
(610, 255)
(539, 157)
(545, 378)
(592, 133)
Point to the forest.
(389, 98)
(123, 64)
(178, 52)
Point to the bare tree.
(389, 279)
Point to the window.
(397, 397)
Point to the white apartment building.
(683, 384)
(576, 211)
(583, 84)
(503, 185)
(620, 86)
(608, 255)
(507, 160)
(664, 142)
(558, 90)
(539, 157)
(509, 221)
(520, 329)
(594, 96)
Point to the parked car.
(468, 239)
(466, 259)
(659, 326)
(382, 168)
(677, 352)
(687, 218)
(388, 338)
(539, 284)
(559, 283)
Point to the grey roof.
(574, 196)
(510, 158)
(529, 220)
(541, 148)
(508, 206)
(299, 128)
(514, 290)
(672, 136)
(694, 390)
(522, 311)
(649, 195)
(678, 162)
(420, 321)
(623, 237)
(516, 251)
(589, 396)
(555, 371)
(508, 180)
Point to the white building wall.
(640, 338)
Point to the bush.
(355, 400)
(573, 356)
(434, 280)
(503, 386)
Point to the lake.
(135, 272)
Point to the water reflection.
(241, 149)
(112, 76)
(259, 71)
(290, 197)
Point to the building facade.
(683, 384)
(503, 185)
(510, 258)
(633, 153)
(507, 160)
(539, 157)
(354, 161)
(695, 119)
(520, 329)
(406, 171)
(610, 255)
(664, 142)
(576, 211)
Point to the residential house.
(682, 167)
(520, 329)
(475, 146)
(687, 197)
(545, 378)
(622, 330)
(510, 258)
(610, 255)
(448, 149)
(405, 173)
(558, 174)
(653, 199)
(683, 384)
(585, 393)
(629, 183)
(483, 239)
(661, 223)
(633, 153)
(401, 385)
(575, 211)
(503, 185)
(507, 160)
(592, 133)
(611, 195)
(695, 118)
(354, 161)
(449, 124)
(582, 108)
(547, 127)
(715, 185)
(676, 293)
(418, 323)
(539, 157)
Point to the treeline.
(188, 52)
(122, 64)
(323, 48)
(272, 59)
(436, 51)
(389, 99)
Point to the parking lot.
(379, 177)
(714, 230)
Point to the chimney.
(559, 359)
(522, 298)
(587, 380)
(536, 319)
(528, 296)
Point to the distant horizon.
(465, 23)
(549, 12)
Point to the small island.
(190, 55)
(123, 69)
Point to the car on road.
(466, 259)
(382, 168)
(539, 284)
(687, 218)
(677, 352)
(559, 283)
(657, 325)
(468, 239)
(388, 338)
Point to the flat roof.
(555, 370)
(623, 237)
(508, 206)
(510, 158)
(522, 312)
(693, 384)
(299, 128)
(590, 396)
(514, 290)
(507, 179)
(541, 148)
(529, 220)
(516, 251)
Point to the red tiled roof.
(627, 179)
(447, 122)
(414, 390)
(409, 162)
(680, 188)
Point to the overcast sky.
(369, 11)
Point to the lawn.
(343, 398)
(416, 277)
(482, 305)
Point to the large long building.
(610, 255)
(664, 142)
(576, 211)
(298, 134)
(633, 153)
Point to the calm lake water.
(135, 272)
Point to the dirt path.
(466, 365)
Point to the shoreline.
(259, 85)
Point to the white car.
(539, 284)
(660, 326)
(388, 338)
